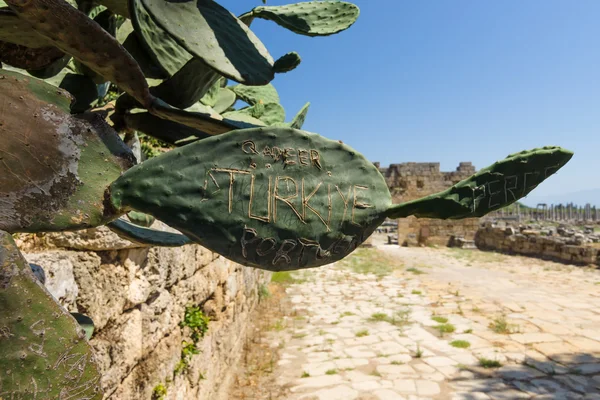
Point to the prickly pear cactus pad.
(160, 45)
(210, 32)
(188, 85)
(272, 198)
(28, 58)
(54, 167)
(312, 18)
(299, 118)
(17, 31)
(256, 94)
(287, 62)
(149, 237)
(492, 188)
(167, 131)
(43, 351)
(74, 33)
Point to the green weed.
(461, 344)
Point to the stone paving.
(532, 329)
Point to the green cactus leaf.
(211, 97)
(208, 123)
(94, 12)
(312, 18)
(149, 237)
(17, 31)
(55, 166)
(86, 323)
(299, 119)
(269, 114)
(492, 188)
(273, 198)
(74, 33)
(116, 6)
(140, 219)
(188, 85)
(210, 32)
(256, 94)
(81, 87)
(225, 100)
(52, 69)
(247, 115)
(164, 50)
(44, 354)
(27, 58)
(165, 130)
(287, 62)
(109, 22)
(130, 41)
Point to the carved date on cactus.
(277, 198)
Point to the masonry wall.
(409, 181)
(532, 244)
(137, 296)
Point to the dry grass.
(254, 378)
(370, 261)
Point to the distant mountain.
(579, 198)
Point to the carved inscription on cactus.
(293, 199)
(288, 187)
(274, 198)
(507, 189)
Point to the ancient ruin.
(411, 180)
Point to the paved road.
(384, 325)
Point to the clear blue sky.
(451, 81)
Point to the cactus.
(167, 131)
(55, 166)
(256, 94)
(129, 39)
(86, 323)
(74, 33)
(188, 85)
(15, 30)
(225, 99)
(44, 353)
(313, 18)
(140, 219)
(261, 114)
(27, 58)
(241, 182)
(149, 237)
(164, 50)
(287, 62)
(299, 119)
(279, 198)
(220, 33)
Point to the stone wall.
(409, 181)
(137, 297)
(531, 243)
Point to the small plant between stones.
(197, 322)
(487, 363)
(159, 392)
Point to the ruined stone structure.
(549, 244)
(411, 180)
